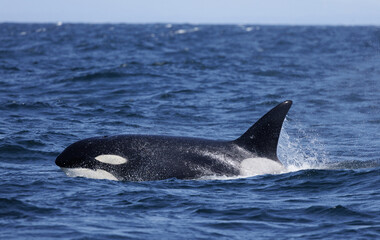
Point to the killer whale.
(149, 157)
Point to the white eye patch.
(111, 159)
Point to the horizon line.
(194, 23)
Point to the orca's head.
(77, 155)
(94, 155)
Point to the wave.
(13, 208)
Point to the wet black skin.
(155, 157)
(161, 157)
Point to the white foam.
(111, 159)
(180, 31)
(88, 173)
(41, 30)
(183, 31)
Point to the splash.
(302, 152)
(305, 151)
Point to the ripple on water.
(17, 209)
(60, 83)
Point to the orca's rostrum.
(148, 157)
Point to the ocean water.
(60, 83)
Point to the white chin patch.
(111, 159)
(260, 166)
(88, 173)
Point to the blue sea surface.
(60, 83)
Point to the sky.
(291, 12)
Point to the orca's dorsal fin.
(262, 137)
